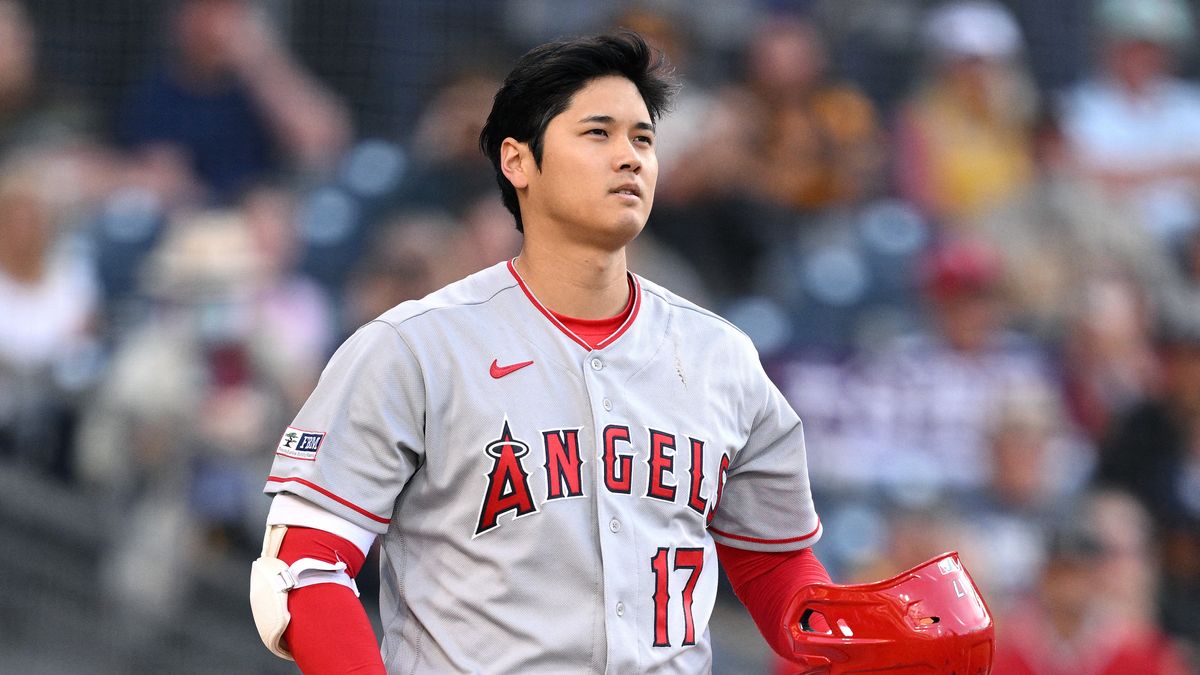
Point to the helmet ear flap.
(930, 619)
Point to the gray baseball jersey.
(546, 507)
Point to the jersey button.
(597, 364)
(614, 525)
(620, 609)
(607, 404)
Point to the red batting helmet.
(930, 619)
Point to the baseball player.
(554, 452)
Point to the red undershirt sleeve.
(329, 633)
(766, 582)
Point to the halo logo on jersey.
(300, 444)
(508, 481)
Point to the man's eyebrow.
(608, 119)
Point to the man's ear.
(513, 156)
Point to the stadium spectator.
(231, 105)
(30, 113)
(1073, 622)
(406, 259)
(963, 144)
(1106, 354)
(1154, 452)
(1129, 574)
(43, 122)
(1151, 449)
(1178, 292)
(913, 414)
(787, 138)
(1037, 469)
(17, 70)
(933, 392)
(48, 301)
(446, 173)
(1133, 125)
(789, 133)
(487, 237)
(294, 312)
(175, 432)
(1062, 234)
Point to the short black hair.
(545, 79)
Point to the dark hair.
(545, 79)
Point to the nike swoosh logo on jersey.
(498, 371)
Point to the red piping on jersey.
(327, 493)
(636, 287)
(756, 540)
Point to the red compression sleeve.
(329, 633)
(766, 582)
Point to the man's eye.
(645, 139)
(599, 132)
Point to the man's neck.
(580, 282)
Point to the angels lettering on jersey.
(667, 479)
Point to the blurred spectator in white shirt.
(48, 301)
(1133, 125)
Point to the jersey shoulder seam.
(396, 324)
(679, 303)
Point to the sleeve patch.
(300, 444)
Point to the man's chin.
(618, 231)
(626, 230)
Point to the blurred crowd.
(977, 278)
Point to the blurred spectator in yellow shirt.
(963, 141)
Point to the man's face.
(204, 31)
(1138, 62)
(598, 171)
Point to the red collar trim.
(635, 286)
